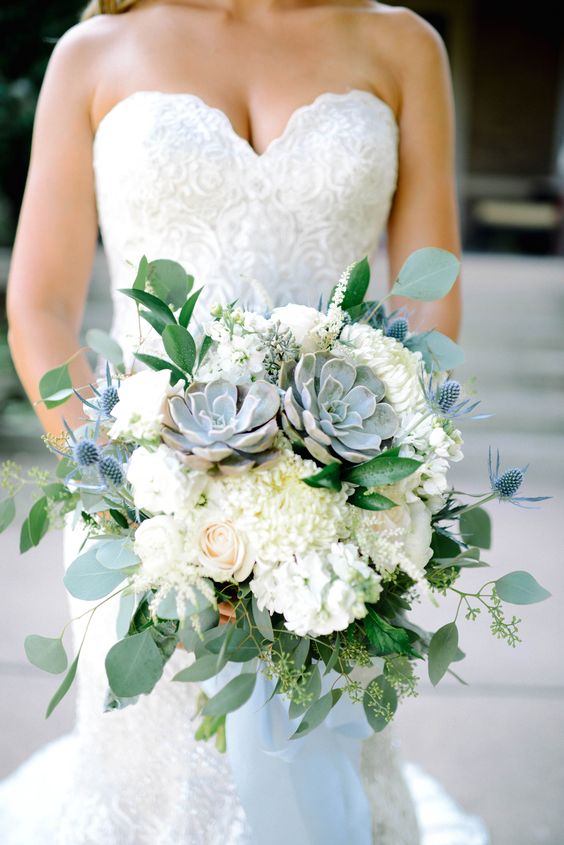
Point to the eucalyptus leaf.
(476, 528)
(232, 696)
(128, 604)
(439, 352)
(47, 653)
(262, 620)
(63, 688)
(377, 712)
(134, 665)
(381, 470)
(55, 386)
(205, 667)
(167, 606)
(87, 579)
(117, 554)
(443, 650)
(428, 274)
(520, 588)
(312, 689)
(317, 713)
(180, 347)
(7, 513)
(105, 345)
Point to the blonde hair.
(106, 7)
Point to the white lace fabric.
(174, 180)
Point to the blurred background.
(498, 743)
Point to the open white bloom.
(396, 366)
(139, 412)
(223, 553)
(302, 320)
(161, 483)
(238, 352)
(318, 592)
(159, 542)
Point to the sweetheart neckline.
(244, 142)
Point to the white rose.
(139, 412)
(301, 320)
(417, 542)
(159, 542)
(222, 552)
(161, 483)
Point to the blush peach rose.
(223, 553)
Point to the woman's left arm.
(424, 211)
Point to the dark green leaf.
(46, 653)
(476, 528)
(64, 687)
(317, 713)
(380, 701)
(159, 310)
(119, 518)
(370, 501)
(169, 281)
(520, 588)
(134, 665)
(386, 638)
(158, 325)
(232, 696)
(7, 513)
(155, 363)
(443, 650)
(55, 386)
(205, 345)
(382, 470)
(188, 308)
(180, 347)
(357, 284)
(329, 477)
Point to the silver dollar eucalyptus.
(336, 408)
(221, 424)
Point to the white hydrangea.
(140, 411)
(320, 591)
(161, 483)
(396, 366)
(159, 543)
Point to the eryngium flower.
(336, 408)
(224, 425)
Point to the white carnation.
(318, 592)
(139, 412)
(161, 483)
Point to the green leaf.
(119, 518)
(428, 274)
(443, 650)
(157, 308)
(312, 688)
(55, 386)
(468, 558)
(64, 467)
(180, 347)
(370, 501)
(141, 277)
(262, 620)
(169, 281)
(329, 477)
(317, 713)
(35, 526)
(105, 345)
(520, 588)
(386, 638)
(335, 650)
(204, 346)
(188, 308)
(7, 513)
(87, 579)
(117, 554)
(64, 687)
(476, 528)
(386, 697)
(382, 470)
(158, 325)
(128, 604)
(203, 668)
(56, 492)
(232, 696)
(301, 652)
(155, 363)
(439, 352)
(134, 665)
(357, 284)
(46, 653)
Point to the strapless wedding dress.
(174, 180)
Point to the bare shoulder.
(412, 39)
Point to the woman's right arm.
(57, 229)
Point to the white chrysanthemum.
(398, 367)
(139, 412)
(161, 483)
(278, 512)
(318, 592)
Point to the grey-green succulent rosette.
(291, 465)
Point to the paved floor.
(498, 743)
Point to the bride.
(265, 141)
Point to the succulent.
(336, 409)
(222, 424)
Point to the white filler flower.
(139, 412)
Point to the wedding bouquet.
(291, 464)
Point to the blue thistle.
(508, 483)
(110, 470)
(398, 329)
(86, 452)
(449, 394)
(109, 398)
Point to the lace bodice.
(174, 180)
